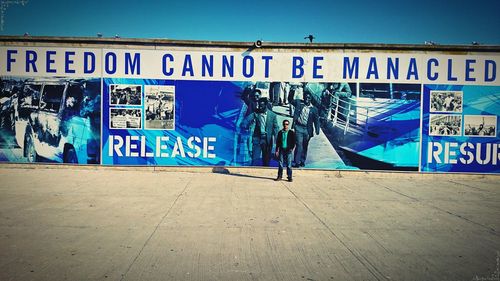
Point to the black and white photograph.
(445, 125)
(122, 94)
(446, 101)
(66, 113)
(480, 125)
(160, 107)
(125, 118)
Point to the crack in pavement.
(156, 228)
(466, 185)
(366, 263)
(489, 229)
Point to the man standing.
(263, 126)
(251, 98)
(342, 93)
(276, 92)
(285, 143)
(304, 118)
(448, 102)
(252, 101)
(296, 94)
(326, 102)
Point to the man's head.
(262, 105)
(307, 97)
(256, 95)
(286, 125)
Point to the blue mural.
(338, 125)
(460, 129)
(204, 114)
(50, 120)
(220, 123)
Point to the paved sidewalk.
(191, 224)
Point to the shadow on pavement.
(222, 170)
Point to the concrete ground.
(103, 223)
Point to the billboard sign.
(350, 109)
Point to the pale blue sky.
(354, 21)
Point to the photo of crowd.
(480, 125)
(445, 125)
(125, 95)
(446, 101)
(305, 105)
(160, 107)
(125, 118)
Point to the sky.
(349, 21)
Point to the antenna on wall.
(4, 4)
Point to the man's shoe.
(277, 179)
(302, 164)
(296, 165)
(290, 179)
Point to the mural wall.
(404, 111)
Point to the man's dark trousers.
(303, 138)
(285, 160)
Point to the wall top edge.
(244, 45)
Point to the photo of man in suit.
(305, 122)
(263, 126)
(253, 103)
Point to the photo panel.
(124, 94)
(480, 126)
(159, 107)
(446, 101)
(122, 118)
(66, 113)
(445, 125)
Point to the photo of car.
(8, 96)
(58, 120)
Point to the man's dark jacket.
(290, 141)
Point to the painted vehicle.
(6, 113)
(8, 100)
(58, 120)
